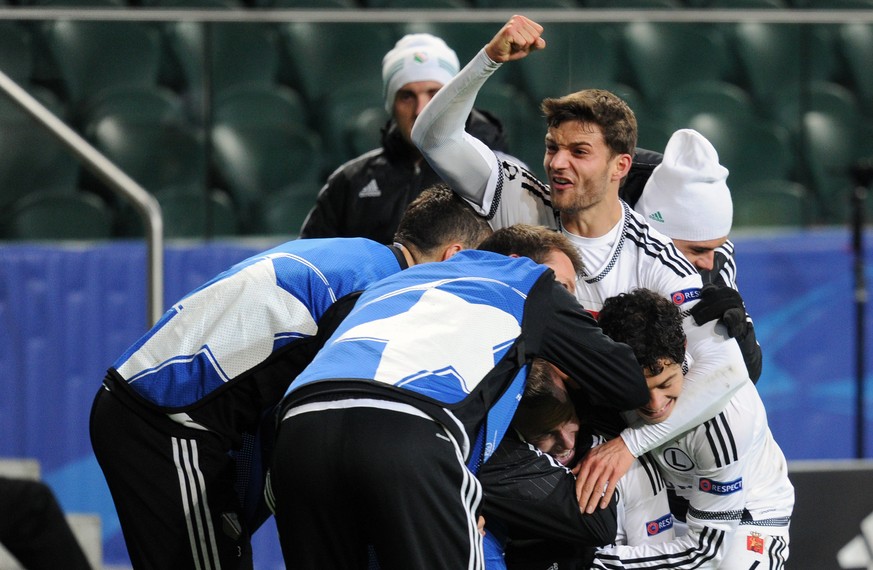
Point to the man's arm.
(464, 162)
(323, 219)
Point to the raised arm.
(460, 159)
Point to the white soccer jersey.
(735, 478)
(638, 256)
(643, 510)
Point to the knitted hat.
(416, 57)
(687, 196)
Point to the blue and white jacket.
(454, 339)
(228, 350)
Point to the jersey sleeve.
(716, 373)
(498, 187)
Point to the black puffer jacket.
(366, 196)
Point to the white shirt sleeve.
(716, 373)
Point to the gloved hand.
(724, 304)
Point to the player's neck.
(595, 221)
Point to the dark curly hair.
(647, 322)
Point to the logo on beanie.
(657, 217)
(419, 57)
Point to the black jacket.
(367, 196)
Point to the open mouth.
(565, 457)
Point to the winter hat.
(687, 196)
(416, 57)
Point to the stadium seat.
(323, 4)
(578, 56)
(255, 160)
(830, 146)
(144, 103)
(856, 47)
(285, 211)
(188, 213)
(93, 57)
(242, 53)
(466, 38)
(524, 4)
(253, 102)
(157, 154)
(418, 4)
(774, 58)
(826, 96)
(365, 131)
(338, 111)
(31, 158)
(57, 216)
(662, 57)
(348, 53)
(750, 148)
(738, 4)
(669, 4)
(16, 52)
(768, 203)
(711, 96)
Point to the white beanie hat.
(416, 57)
(687, 196)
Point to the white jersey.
(643, 510)
(735, 477)
(632, 256)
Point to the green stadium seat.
(338, 112)
(524, 4)
(242, 53)
(188, 213)
(94, 57)
(772, 203)
(323, 4)
(711, 96)
(255, 160)
(16, 52)
(578, 56)
(830, 146)
(285, 211)
(417, 4)
(856, 47)
(662, 57)
(738, 4)
(775, 58)
(668, 4)
(826, 96)
(751, 149)
(157, 154)
(364, 133)
(347, 53)
(57, 216)
(256, 103)
(31, 158)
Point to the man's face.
(664, 388)
(700, 253)
(558, 441)
(409, 101)
(558, 262)
(581, 169)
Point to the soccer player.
(382, 436)
(178, 423)
(729, 468)
(589, 144)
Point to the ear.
(450, 251)
(623, 164)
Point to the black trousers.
(33, 527)
(345, 479)
(173, 489)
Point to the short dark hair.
(438, 217)
(647, 322)
(543, 405)
(600, 107)
(535, 242)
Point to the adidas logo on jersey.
(371, 190)
(657, 217)
(856, 554)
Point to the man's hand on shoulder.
(517, 38)
(599, 472)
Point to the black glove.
(724, 304)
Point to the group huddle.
(528, 376)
